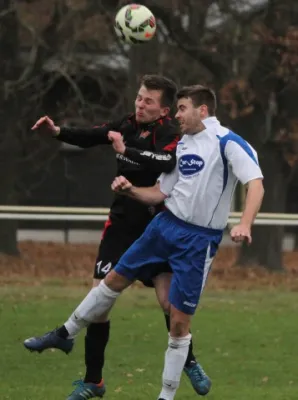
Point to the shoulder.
(227, 137)
(166, 127)
(126, 122)
(231, 143)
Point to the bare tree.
(9, 148)
(45, 46)
(246, 50)
(263, 108)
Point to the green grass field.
(247, 342)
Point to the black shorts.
(114, 242)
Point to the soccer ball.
(135, 23)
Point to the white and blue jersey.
(199, 193)
(209, 164)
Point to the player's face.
(148, 107)
(188, 116)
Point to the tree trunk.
(8, 118)
(8, 174)
(266, 248)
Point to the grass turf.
(246, 341)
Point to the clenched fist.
(241, 232)
(117, 141)
(121, 184)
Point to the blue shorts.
(188, 248)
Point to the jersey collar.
(210, 121)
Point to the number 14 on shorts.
(103, 268)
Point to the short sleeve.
(241, 157)
(167, 181)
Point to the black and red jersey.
(150, 150)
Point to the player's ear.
(165, 111)
(203, 111)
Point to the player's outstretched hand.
(121, 185)
(117, 141)
(46, 125)
(241, 232)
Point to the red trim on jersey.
(171, 146)
(107, 224)
(100, 126)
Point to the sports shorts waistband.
(188, 225)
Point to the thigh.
(162, 284)
(115, 241)
(139, 260)
(190, 271)
(157, 270)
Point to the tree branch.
(212, 61)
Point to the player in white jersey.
(197, 195)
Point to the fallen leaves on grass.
(69, 262)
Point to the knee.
(178, 328)
(116, 282)
(165, 305)
(180, 324)
(163, 299)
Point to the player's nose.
(140, 103)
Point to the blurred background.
(62, 58)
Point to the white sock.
(175, 358)
(99, 300)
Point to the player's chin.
(183, 128)
(143, 119)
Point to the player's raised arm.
(85, 137)
(82, 137)
(148, 195)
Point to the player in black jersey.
(145, 144)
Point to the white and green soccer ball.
(135, 23)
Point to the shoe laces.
(80, 384)
(198, 372)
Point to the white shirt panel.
(244, 166)
(168, 181)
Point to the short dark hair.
(199, 95)
(165, 85)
